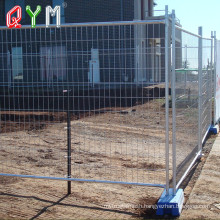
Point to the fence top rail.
(92, 24)
(207, 38)
(188, 32)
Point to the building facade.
(87, 54)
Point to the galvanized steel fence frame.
(83, 27)
(170, 69)
(205, 97)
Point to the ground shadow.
(60, 203)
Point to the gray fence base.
(170, 204)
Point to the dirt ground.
(115, 144)
(31, 198)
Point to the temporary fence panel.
(91, 102)
(84, 102)
(185, 100)
(206, 86)
(191, 98)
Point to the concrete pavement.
(204, 200)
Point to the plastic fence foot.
(214, 129)
(171, 204)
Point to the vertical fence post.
(185, 73)
(212, 86)
(167, 96)
(215, 77)
(174, 99)
(68, 145)
(172, 201)
(211, 79)
(200, 90)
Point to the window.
(9, 4)
(17, 63)
(62, 15)
(53, 63)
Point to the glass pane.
(17, 63)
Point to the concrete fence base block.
(170, 204)
(214, 129)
